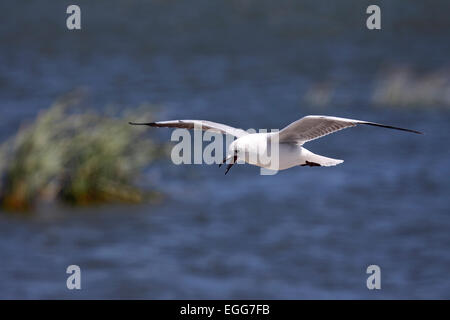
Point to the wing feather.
(193, 124)
(313, 127)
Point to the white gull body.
(256, 148)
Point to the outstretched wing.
(312, 127)
(201, 124)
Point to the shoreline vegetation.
(395, 87)
(405, 87)
(76, 156)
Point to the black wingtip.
(392, 127)
(141, 124)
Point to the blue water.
(303, 233)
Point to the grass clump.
(405, 88)
(75, 157)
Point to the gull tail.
(314, 160)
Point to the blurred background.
(79, 186)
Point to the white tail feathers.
(315, 159)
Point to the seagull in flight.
(290, 140)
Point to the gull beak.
(224, 160)
(231, 164)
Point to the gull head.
(248, 147)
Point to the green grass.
(75, 156)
